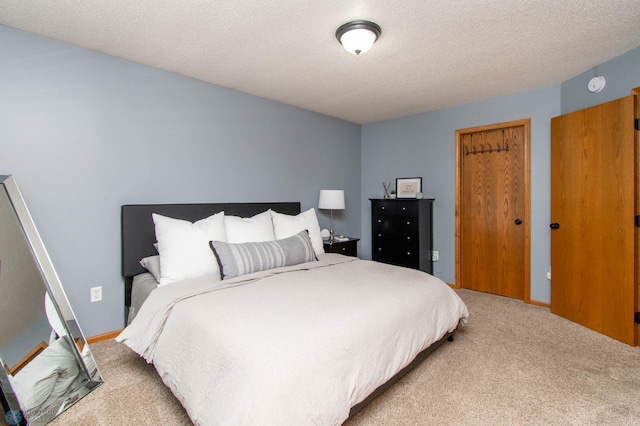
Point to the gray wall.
(84, 133)
(424, 145)
(36, 331)
(622, 74)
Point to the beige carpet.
(514, 364)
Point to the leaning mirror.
(47, 365)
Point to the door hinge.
(637, 317)
(637, 220)
(637, 123)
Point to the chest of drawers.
(401, 232)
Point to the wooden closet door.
(492, 228)
(592, 214)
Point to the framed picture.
(408, 187)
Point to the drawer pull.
(379, 235)
(379, 220)
(404, 208)
(408, 223)
(380, 249)
(344, 249)
(408, 238)
(382, 207)
(408, 253)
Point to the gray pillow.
(240, 259)
(152, 264)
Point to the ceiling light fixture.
(358, 36)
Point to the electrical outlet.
(434, 256)
(96, 294)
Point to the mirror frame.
(54, 288)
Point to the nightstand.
(348, 248)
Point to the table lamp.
(331, 199)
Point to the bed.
(308, 342)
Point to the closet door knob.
(554, 226)
(518, 221)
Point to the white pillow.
(184, 246)
(249, 229)
(47, 377)
(285, 226)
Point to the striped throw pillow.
(240, 259)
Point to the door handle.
(518, 222)
(554, 225)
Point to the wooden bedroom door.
(593, 196)
(492, 209)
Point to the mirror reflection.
(47, 364)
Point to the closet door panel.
(592, 215)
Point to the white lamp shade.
(52, 316)
(331, 199)
(358, 41)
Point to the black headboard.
(138, 230)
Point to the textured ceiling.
(431, 54)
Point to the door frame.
(526, 123)
(636, 93)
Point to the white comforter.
(292, 346)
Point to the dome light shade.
(358, 36)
